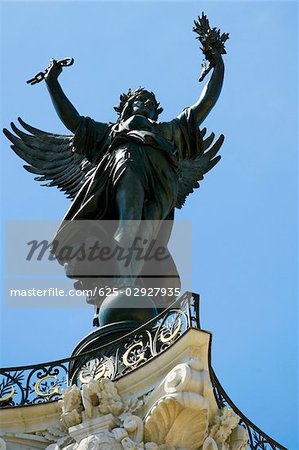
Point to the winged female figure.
(135, 171)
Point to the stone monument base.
(167, 403)
(145, 388)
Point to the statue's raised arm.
(65, 161)
(210, 93)
(197, 153)
(213, 49)
(64, 108)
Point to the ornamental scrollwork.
(9, 396)
(97, 368)
(135, 354)
(46, 383)
(46, 388)
(171, 329)
(9, 386)
(31, 386)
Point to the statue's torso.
(135, 123)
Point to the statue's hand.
(213, 44)
(215, 56)
(53, 71)
(215, 59)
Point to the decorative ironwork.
(118, 358)
(32, 384)
(95, 369)
(257, 439)
(44, 382)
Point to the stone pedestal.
(167, 403)
(152, 388)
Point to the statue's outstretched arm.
(213, 47)
(211, 91)
(64, 108)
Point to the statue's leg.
(125, 305)
(147, 234)
(129, 202)
(159, 273)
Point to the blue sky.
(243, 216)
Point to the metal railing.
(40, 383)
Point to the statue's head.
(140, 102)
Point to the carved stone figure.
(71, 405)
(135, 171)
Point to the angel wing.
(193, 170)
(52, 157)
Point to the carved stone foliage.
(183, 415)
(179, 414)
(224, 432)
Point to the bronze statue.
(135, 171)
